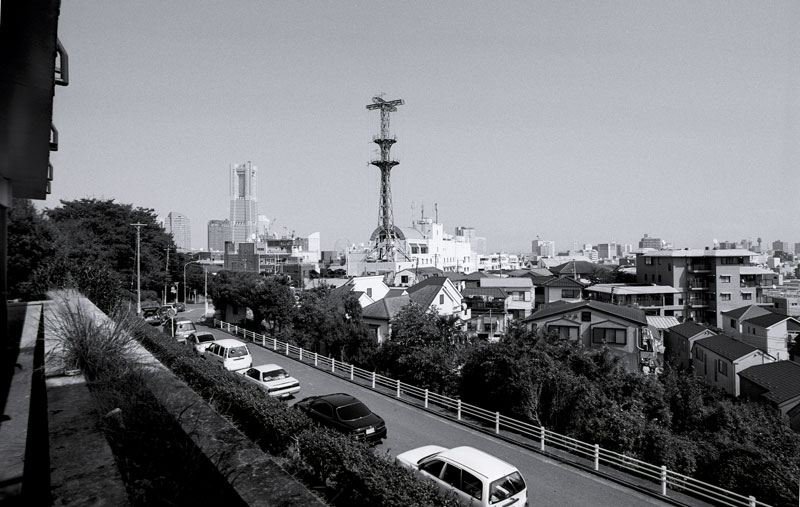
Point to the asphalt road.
(550, 483)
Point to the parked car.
(273, 379)
(200, 341)
(180, 307)
(181, 328)
(344, 413)
(230, 354)
(477, 478)
(151, 316)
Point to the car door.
(322, 411)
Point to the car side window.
(322, 408)
(471, 485)
(433, 467)
(452, 476)
(252, 372)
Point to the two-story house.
(719, 359)
(549, 289)
(773, 333)
(679, 341)
(776, 383)
(367, 289)
(487, 307)
(622, 329)
(378, 316)
(439, 293)
(520, 294)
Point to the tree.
(31, 244)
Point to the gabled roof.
(386, 308)
(541, 280)
(632, 314)
(660, 322)
(688, 329)
(768, 320)
(564, 282)
(579, 268)
(726, 346)
(424, 292)
(746, 311)
(781, 379)
(517, 283)
(396, 291)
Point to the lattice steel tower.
(383, 239)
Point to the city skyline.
(575, 123)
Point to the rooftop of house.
(622, 289)
(780, 379)
(747, 311)
(495, 292)
(660, 322)
(688, 329)
(632, 314)
(424, 292)
(726, 346)
(770, 319)
(516, 283)
(699, 252)
(579, 268)
(386, 308)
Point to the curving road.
(550, 483)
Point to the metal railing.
(544, 439)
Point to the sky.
(576, 122)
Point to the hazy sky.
(571, 121)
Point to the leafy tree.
(31, 244)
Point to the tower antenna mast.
(385, 235)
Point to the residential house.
(719, 359)
(550, 289)
(409, 277)
(622, 329)
(378, 316)
(580, 269)
(711, 281)
(367, 289)
(439, 293)
(773, 333)
(732, 320)
(519, 303)
(776, 383)
(679, 341)
(487, 307)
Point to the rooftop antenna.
(436, 212)
(386, 234)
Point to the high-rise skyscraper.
(219, 231)
(244, 203)
(179, 226)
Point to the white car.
(230, 354)
(273, 379)
(477, 478)
(200, 341)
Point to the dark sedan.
(344, 413)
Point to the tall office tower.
(219, 231)
(468, 233)
(781, 246)
(244, 203)
(797, 248)
(648, 242)
(607, 250)
(543, 248)
(179, 226)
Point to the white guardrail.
(659, 475)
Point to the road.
(550, 483)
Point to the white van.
(231, 354)
(477, 478)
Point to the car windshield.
(506, 487)
(238, 351)
(275, 374)
(353, 411)
(203, 338)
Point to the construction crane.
(384, 247)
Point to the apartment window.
(732, 260)
(586, 316)
(725, 279)
(669, 266)
(725, 296)
(722, 367)
(747, 296)
(645, 277)
(659, 278)
(610, 336)
(648, 261)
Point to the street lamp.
(184, 278)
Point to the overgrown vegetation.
(159, 464)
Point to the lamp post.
(138, 271)
(184, 279)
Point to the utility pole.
(138, 269)
(166, 277)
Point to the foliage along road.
(550, 483)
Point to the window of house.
(564, 332)
(404, 279)
(648, 261)
(669, 266)
(722, 367)
(369, 291)
(423, 249)
(645, 277)
(698, 353)
(725, 279)
(659, 278)
(441, 299)
(725, 296)
(586, 316)
(747, 296)
(570, 293)
(609, 336)
(733, 322)
(414, 249)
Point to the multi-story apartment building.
(180, 227)
(710, 281)
(244, 203)
(781, 246)
(219, 231)
(543, 248)
(660, 300)
(648, 242)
